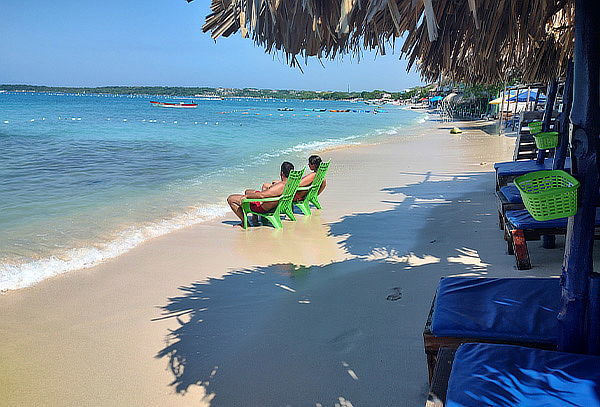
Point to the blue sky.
(160, 42)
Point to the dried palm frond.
(468, 40)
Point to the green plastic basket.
(548, 195)
(546, 140)
(535, 127)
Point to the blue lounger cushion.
(486, 375)
(514, 309)
(512, 194)
(524, 167)
(522, 219)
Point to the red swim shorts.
(257, 207)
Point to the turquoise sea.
(84, 178)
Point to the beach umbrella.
(436, 99)
(452, 98)
(496, 101)
(422, 99)
(523, 97)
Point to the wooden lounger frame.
(433, 344)
(503, 206)
(516, 240)
(438, 388)
(504, 180)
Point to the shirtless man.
(268, 191)
(313, 163)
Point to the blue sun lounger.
(486, 375)
(519, 227)
(508, 198)
(508, 171)
(518, 311)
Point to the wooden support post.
(564, 122)
(500, 113)
(548, 241)
(520, 249)
(515, 112)
(550, 99)
(550, 102)
(593, 320)
(537, 98)
(585, 119)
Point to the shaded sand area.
(327, 312)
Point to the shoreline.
(94, 253)
(214, 315)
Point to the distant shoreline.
(169, 91)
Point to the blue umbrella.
(523, 97)
(436, 99)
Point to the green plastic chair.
(313, 190)
(284, 205)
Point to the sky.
(160, 43)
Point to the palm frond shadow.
(343, 332)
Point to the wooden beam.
(550, 99)
(593, 316)
(564, 122)
(585, 119)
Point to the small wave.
(15, 276)
(330, 143)
(316, 145)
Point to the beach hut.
(478, 41)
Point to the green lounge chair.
(284, 205)
(313, 190)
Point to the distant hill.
(204, 91)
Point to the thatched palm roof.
(472, 40)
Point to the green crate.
(546, 140)
(548, 195)
(535, 127)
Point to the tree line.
(219, 92)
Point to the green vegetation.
(220, 92)
(417, 92)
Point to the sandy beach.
(328, 311)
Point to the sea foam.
(27, 273)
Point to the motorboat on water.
(181, 105)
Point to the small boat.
(166, 104)
(306, 109)
(285, 109)
(340, 111)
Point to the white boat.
(180, 105)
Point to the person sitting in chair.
(313, 163)
(270, 190)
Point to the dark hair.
(314, 160)
(286, 167)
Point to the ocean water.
(84, 178)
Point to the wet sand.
(328, 311)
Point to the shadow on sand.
(342, 334)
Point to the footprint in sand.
(346, 341)
(395, 295)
